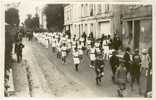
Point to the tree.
(35, 22)
(12, 16)
(55, 16)
(11, 27)
(29, 23)
(32, 23)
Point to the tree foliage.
(12, 20)
(32, 23)
(12, 16)
(55, 16)
(8, 45)
(35, 22)
(28, 23)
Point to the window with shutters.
(106, 8)
(99, 8)
(91, 10)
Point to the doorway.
(136, 34)
(129, 32)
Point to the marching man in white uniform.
(88, 44)
(80, 46)
(73, 44)
(53, 43)
(69, 45)
(97, 47)
(58, 46)
(82, 40)
(76, 58)
(105, 49)
(92, 56)
(64, 53)
(46, 41)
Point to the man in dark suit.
(127, 60)
(114, 62)
(136, 68)
(18, 50)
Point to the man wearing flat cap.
(114, 62)
(135, 68)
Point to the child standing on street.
(121, 78)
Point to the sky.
(27, 7)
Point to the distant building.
(137, 26)
(132, 23)
(42, 18)
(96, 18)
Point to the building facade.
(137, 26)
(42, 18)
(132, 23)
(97, 18)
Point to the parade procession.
(84, 50)
(99, 51)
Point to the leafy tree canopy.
(12, 16)
(55, 16)
(32, 23)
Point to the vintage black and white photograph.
(78, 50)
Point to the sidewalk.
(20, 79)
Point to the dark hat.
(127, 49)
(75, 49)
